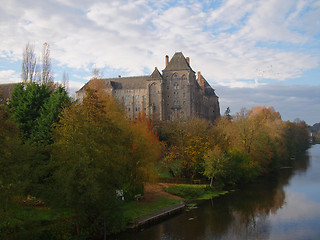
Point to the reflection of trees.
(240, 215)
(246, 211)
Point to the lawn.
(194, 191)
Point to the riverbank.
(281, 205)
(162, 200)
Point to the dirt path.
(153, 191)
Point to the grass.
(135, 209)
(194, 192)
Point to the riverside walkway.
(157, 216)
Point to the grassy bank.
(135, 209)
(194, 192)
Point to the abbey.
(177, 93)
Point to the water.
(282, 206)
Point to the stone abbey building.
(177, 93)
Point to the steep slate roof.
(178, 62)
(156, 74)
(138, 82)
(208, 90)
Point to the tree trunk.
(211, 182)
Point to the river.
(280, 206)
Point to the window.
(175, 76)
(168, 87)
(184, 94)
(176, 94)
(184, 77)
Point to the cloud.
(9, 76)
(226, 41)
(236, 44)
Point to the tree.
(46, 75)
(188, 143)
(29, 64)
(26, 103)
(36, 108)
(227, 114)
(65, 81)
(14, 168)
(49, 114)
(96, 151)
(216, 164)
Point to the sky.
(252, 52)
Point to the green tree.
(96, 151)
(14, 168)
(36, 107)
(227, 114)
(216, 164)
(49, 114)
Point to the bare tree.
(46, 73)
(65, 81)
(29, 64)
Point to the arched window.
(175, 76)
(184, 77)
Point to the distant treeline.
(234, 149)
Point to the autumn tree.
(96, 151)
(188, 143)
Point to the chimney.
(199, 78)
(167, 60)
(188, 60)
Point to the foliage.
(13, 170)
(97, 151)
(216, 164)
(36, 108)
(26, 102)
(49, 115)
(186, 146)
(232, 151)
(227, 114)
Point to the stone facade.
(177, 93)
(6, 91)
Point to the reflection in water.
(285, 205)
